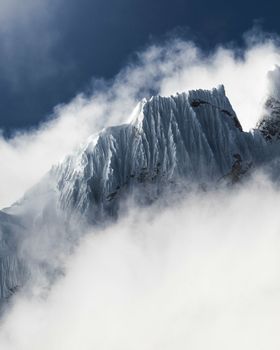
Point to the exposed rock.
(269, 126)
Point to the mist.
(201, 273)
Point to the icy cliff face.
(12, 272)
(190, 138)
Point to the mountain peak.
(190, 135)
(169, 145)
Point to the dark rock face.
(269, 126)
(238, 170)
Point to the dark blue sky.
(50, 53)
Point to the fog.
(202, 273)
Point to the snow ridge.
(192, 137)
(187, 136)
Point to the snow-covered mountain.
(170, 144)
(190, 137)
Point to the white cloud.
(274, 82)
(201, 274)
(245, 79)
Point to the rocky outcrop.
(269, 125)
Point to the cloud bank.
(202, 274)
